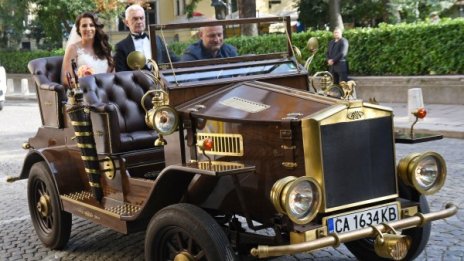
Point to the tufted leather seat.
(46, 73)
(118, 118)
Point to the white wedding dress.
(83, 58)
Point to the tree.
(315, 13)
(56, 17)
(335, 15)
(365, 13)
(12, 22)
(246, 9)
(414, 10)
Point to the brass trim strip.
(94, 184)
(89, 158)
(83, 133)
(92, 171)
(263, 251)
(80, 123)
(85, 146)
(359, 203)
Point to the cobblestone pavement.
(88, 241)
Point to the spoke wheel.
(184, 232)
(51, 223)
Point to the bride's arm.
(69, 54)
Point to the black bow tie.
(140, 36)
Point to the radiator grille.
(358, 157)
(224, 144)
(220, 165)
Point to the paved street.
(18, 241)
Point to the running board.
(107, 213)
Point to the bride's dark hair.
(101, 46)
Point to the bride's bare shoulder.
(73, 47)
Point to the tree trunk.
(247, 8)
(335, 16)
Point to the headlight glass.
(301, 199)
(426, 172)
(165, 120)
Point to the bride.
(90, 49)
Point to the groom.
(138, 40)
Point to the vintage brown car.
(225, 159)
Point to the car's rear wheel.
(51, 223)
(1, 105)
(364, 249)
(186, 232)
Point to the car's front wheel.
(51, 223)
(364, 249)
(186, 232)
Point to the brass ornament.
(321, 81)
(391, 245)
(107, 166)
(136, 60)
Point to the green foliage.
(16, 61)
(403, 49)
(56, 17)
(314, 13)
(270, 43)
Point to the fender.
(63, 162)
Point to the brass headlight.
(299, 198)
(165, 120)
(426, 172)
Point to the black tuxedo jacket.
(126, 46)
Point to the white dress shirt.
(143, 45)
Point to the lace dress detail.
(98, 65)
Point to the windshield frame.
(154, 30)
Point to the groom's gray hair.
(133, 7)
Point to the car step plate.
(362, 218)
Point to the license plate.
(363, 218)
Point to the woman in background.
(92, 52)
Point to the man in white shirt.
(138, 40)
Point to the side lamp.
(414, 137)
(206, 144)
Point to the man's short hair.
(134, 7)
